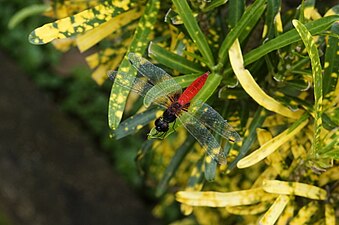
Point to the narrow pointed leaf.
(77, 24)
(173, 60)
(252, 88)
(31, 10)
(236, 10)
(273, 144)
(214, 4)
(294, 188)
(329, 214)
(271, 216)
(97, 34)
(272, 18)
(210, 169)
(331, 64)
(218, 199)
(135, 123)
(250, 17)
(250, 136)
(179, 156)
(305, 214)
(329, 176)
(139, 44)
(317, 82)
(194, 30)
(315, 27)
(195, 183)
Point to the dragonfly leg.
(161, 135)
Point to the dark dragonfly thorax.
(169, 116)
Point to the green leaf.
(210, 169)
(194, 30)
(196, 180)
(331, 149)
(314, 27)
(251, 136)
(135, 123)
(317, 82)
(214, 4)
(173, 60)
(331, 64)
(76, 24)
(26, 12)
(329, 123)
(179, 156)
(273, 9)
(243, 28)
(139, 44)
(236, 10)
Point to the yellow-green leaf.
(273, 144)
(294, 188)
(329, 214)
(79, 23)
(271, 216)
(218, 199)
(317, 82)
(139, 44)
(92, 37)
(252, 88)
(305, 214)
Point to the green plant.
(284, 104)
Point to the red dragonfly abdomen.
(193, 89)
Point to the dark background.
(57, 163)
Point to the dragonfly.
(159, 88)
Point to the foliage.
(281, 94)
(75, 92)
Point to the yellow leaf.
(330, 175)
(186, 209)
(249, 209)
(62, 9)
(305, 213)
(218, 199)
(78, 23)
(329, 215)
(286, 215)
(63, 45)
(270, 146)
(252, 88)
(99, 75)
(268, 174)
(271, 216)
(263, 136)
(294, 188)
(92, 37)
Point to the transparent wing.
(163, 89)
(155, 74)
(203, 136)
(137, 85)
(214, 121)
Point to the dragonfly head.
(161, 125)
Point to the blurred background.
(58, 164)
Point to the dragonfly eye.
(161, 125)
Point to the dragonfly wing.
(137, 85)
(163, 89)
(214, 121)
(203, 136)
(147, 69)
